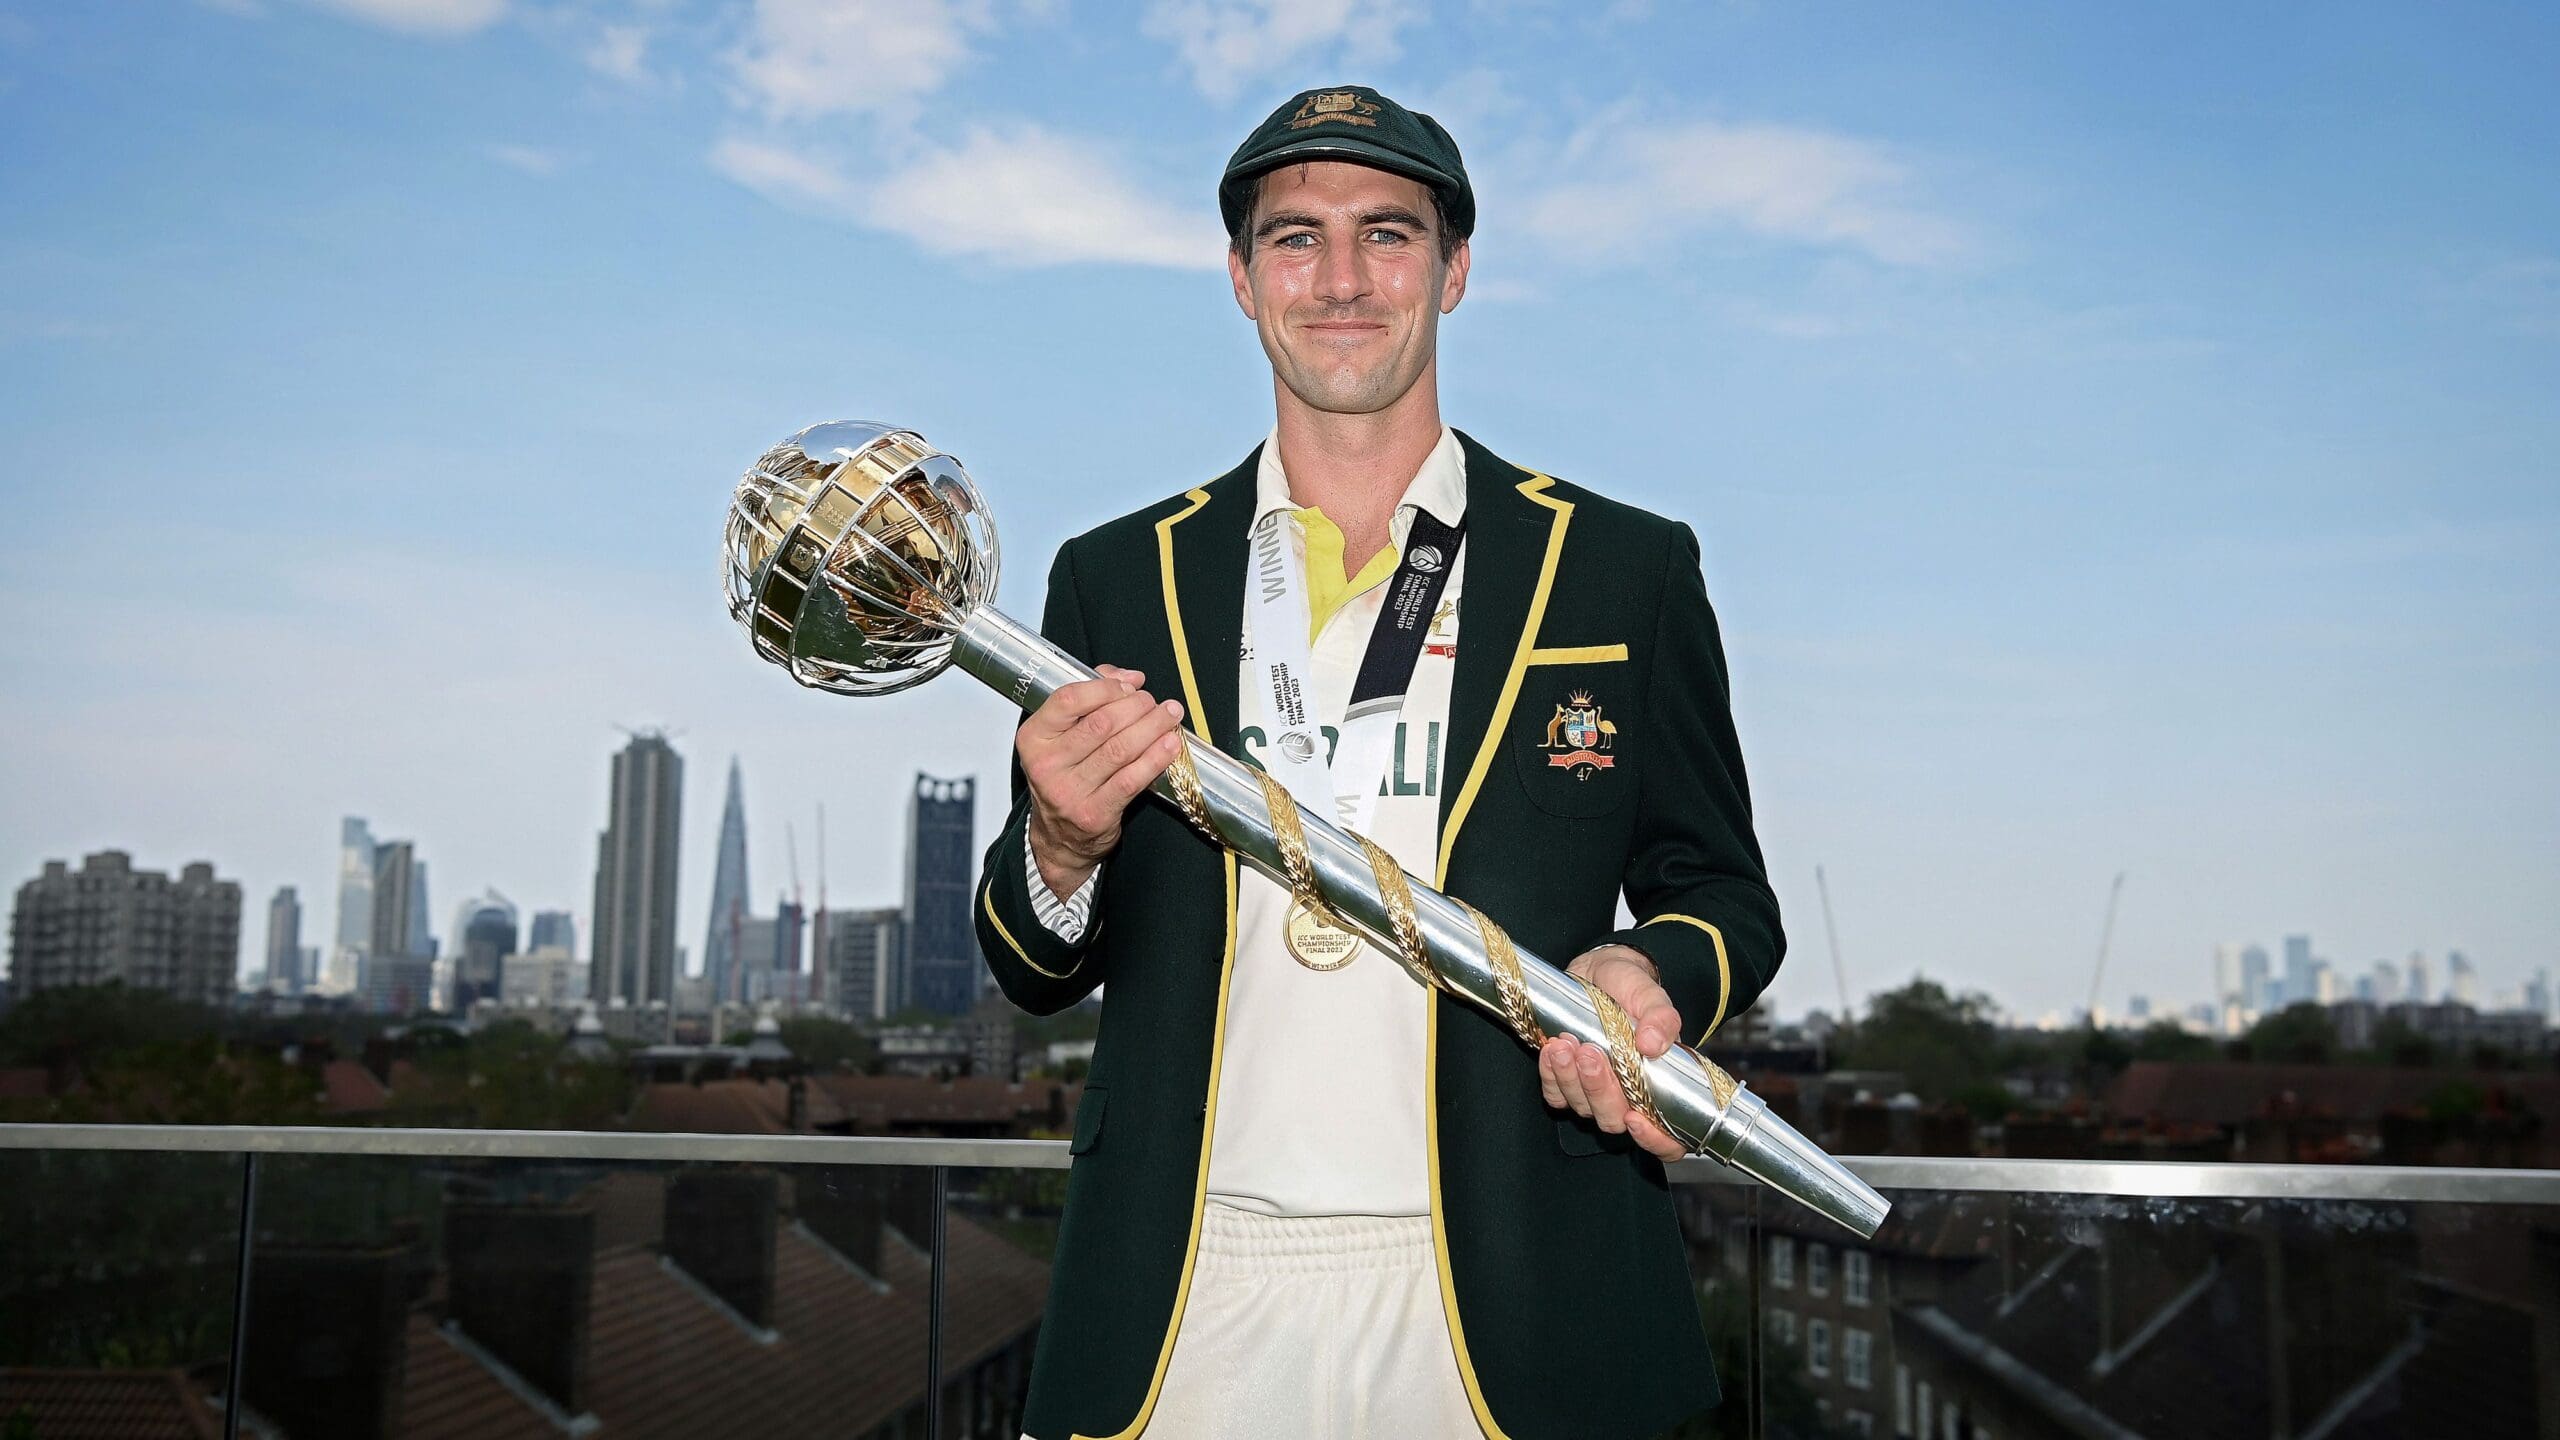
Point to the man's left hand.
(1577, 1074)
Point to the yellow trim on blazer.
(1575, 655)
(987, 902)
(1724, 967)
(1226, 977)
(1535, 488)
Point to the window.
(1817, 1269)
(1853, 1276)
(1947, 1417)
(1782, 1261)
(1901, 1399)
(1817, 1346)
(1857, 1351)
(1862, 1423)
(1926, 1414)
(1737, 1254)
(1782, 1327)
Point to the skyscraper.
(2461, 982)
(484, 937)
(942, 965)
(2300, 983)
(399, 960)
(720, 948)
(635, 914)
(110, 922)
(355, 906)
(862, 949)
(2253, 978)
(2421, 986)
(284, 943)
(553, 930)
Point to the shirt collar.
(1440, 486)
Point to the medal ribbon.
(1346, 783)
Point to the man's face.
(1342, 275)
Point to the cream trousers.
(1322, 1327)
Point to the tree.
(2300, 1034)
(1943, 1044)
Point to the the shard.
(720, 949)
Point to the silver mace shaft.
(1697, 1101)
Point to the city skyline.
(2088, 484)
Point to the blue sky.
(2121, 441)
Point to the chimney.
(841, 1205)
(719, 1232)
(326, 1351)
(519, 1280)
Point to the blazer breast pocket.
(1570, 730)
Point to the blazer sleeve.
(1033, 967)
(1705, 914)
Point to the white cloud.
(531, 159)
(621, 51)
(1640, 184)
(422, 17)
(807, 58)
(1021, 196)
(1228, 43)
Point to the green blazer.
(1560, 1260)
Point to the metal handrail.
(2140, 1178)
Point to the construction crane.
(791, 846)
(2106, 937)
(1832, 930)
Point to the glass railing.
(428, 1284)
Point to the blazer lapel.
(1510, 531)
(1203, 558)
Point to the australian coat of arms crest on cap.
(1578, 740)
(1344, 106)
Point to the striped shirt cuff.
(1066, 918)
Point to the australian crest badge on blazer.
(1578, 739)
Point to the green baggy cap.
(1357, 124)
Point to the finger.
(1577, 1097)
(1070, 703)
(1073, 749)
(1548, 1088)
(1656, 1141)
(1608, 1102)
(1140, 773)
(1657, 1020)
(1134, 678)
(1132, 738)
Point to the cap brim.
(1340, 147)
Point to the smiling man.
(1310, 1197)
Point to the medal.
(1316, 945)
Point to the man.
(1310, 1197)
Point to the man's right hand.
(1089, 750)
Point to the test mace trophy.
(861, 560)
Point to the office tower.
(2462, 983)
(484, 936)
(355, 906)
(2537, 994)
(2299, 985)
(108, 922)
(2226, 976)
(2386, 983)
(942, 964)
(2137, 1008)
(398, 973)
(635, 914)
(542, 976)
(553, 929)
(862, 951)
(284, 942)
(720, 947)
(2324, 981)
(2421, 985)
(2253, 978)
